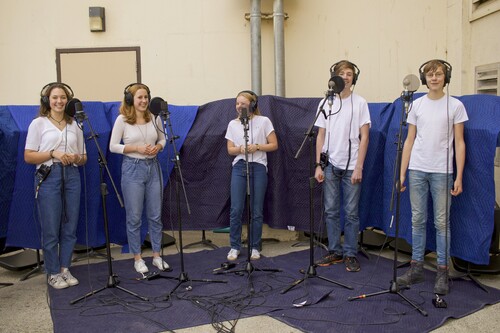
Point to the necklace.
(144, 136)
(57, 121)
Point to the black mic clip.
(406, 95)
(225, 266)
(149, 276)
(80, 116)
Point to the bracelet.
(317, 165)
(258, 148)
(51, 153)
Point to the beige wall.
(196, 51)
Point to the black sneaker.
(352, 264)
(330, 259)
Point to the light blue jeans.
(421, 184)
(332, 186)
(59, 208)
(142, 188)
(258, 186)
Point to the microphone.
(158, 107)
(74, 108)
(335, 85)
(225, 266)
(244, 116)
(411, 84)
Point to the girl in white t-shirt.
(55, 144)
(261, 140)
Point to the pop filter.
(336, 84)
(411, 82)
(158, 106)
(73, 106)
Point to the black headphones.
(44, 98)
(447, 74)
(333, 69)
(129, 98)
(254, 102)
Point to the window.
(487, 79)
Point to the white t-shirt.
(259, 128)
(430, 117)
(342, 125)
(45, 136)
(126, 134)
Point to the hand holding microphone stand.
(74, 108)
(411, 85)
(335, 85)
(249, 267)
(159, 107)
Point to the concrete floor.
(24, 306)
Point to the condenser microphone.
(244, 116)
(158, 106)
(74, 108)
(411, 84)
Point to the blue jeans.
(332, 196)
(59, 208)
(421, 184)
(258, 185)
(142, 186)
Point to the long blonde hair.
(128, 111)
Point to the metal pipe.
(256, 47)
(279, 48)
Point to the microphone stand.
(183, 276)
(394, 287)
(311, 270)
(249, 267)
(112, 278)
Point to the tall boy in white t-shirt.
(435, 123)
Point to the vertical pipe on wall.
(256, 48)
(279, 48)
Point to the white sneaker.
(140, 266)
(56, 281)
(70, 279)
(255, 254)
(233, 254)
(160, 263)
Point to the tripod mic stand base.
(311, 273)
(249, 269)
(393, 289)
(183, 278)
(112, 283)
